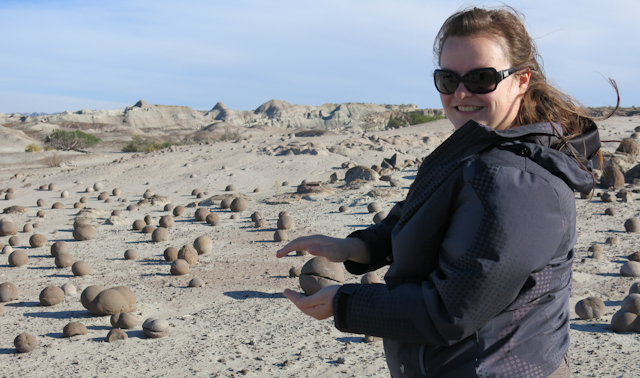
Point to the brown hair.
(541, 101)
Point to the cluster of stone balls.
(624, 320)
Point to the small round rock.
(81, 268)
(74, 329)
(64, 260)
(632, 225)
(155, 328)
(612, 240)
(590, 308)
(374, 207)
(171, 254)
(160, 234)
(280, 236)
(131, 254)
(116, 334)
(18, 258)
(69, 289)
(630, 269)
(239, 205)
(124, 320)
(59, 247)
(196, 282)
(179, 267)
(610, 211)
(8, 292)
(286, 222)
(51, 296)
(37, 240)
(343, 209)
(203, 245)
(178, 210)
(379, 217)
(25, 343)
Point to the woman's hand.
(334, 249)
(318, 305)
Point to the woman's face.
(497, 109)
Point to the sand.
(239, 323)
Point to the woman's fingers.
(318, 305)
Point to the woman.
(480, 251)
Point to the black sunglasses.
(480, 81)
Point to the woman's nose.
(461, 91)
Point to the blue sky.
(72, 55)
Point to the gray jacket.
(480, 256)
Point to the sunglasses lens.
(480, 81)
(446, 82)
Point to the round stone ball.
(51, 296)
(84, 232)
(84, 199)
(280, 235)
(590, 308)
(41, 214)
(256, 215)
(595, 248)
(201, 214)
(196, 282)
(148, 219)
(160, 234)
(10, 196)
(74, 329)
(124, 320)
(78, 205)
(116, 334)
(64, 194)
(189, 254)
(148, 229)
(622, 321)
(318, 273)
(630, 269)
(635, 256)
(302, 253)
(212, 218)
(610, 211)
(89, 294)
(81, 268)
(171, 254)
(230, 188)
(632, 225)
(234, 216)
(631, 303)
(374, 207)
(25, 343)
(259, 223)
(178, 210)
(7, 249)
(379, 217)
(203, 245)
(131, 254)
(179, 267)
(155, 328)
(148, 194)
(370, 278)
(18, 258)
(168, 207)
(57, 205)
(597, 255)
(612, 240)
(37, 241)
(108, 302)
(8, 292)
(97, 186)
(200, 195)
(41, 202)
(195, 192)
(256, 190)
(8, 228)
(343, 209)
(635, 288)
(59, 247)
(226, 203)
(132, 208)
(36, 225)
(116, 192)
(64, 260)
(294, 271)
(69, 289)
(53, 186)
(138, 225)
(27, 228)
(166, 221)
(129, 297)
(239, 205)
(116, 213)
(89, 190)
(286, 222)
(81, 222)
(103, 196)
(14, 241)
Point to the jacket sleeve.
(378, 241)
(507, 223)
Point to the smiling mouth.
(468, 108)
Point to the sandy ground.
(239, 323)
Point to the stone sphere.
(226, 203)
(597, 255)
(256, 215)
(179, 267)
(148, 229)
(596, 248)
(116, 334)
(7, 249)
(610, 211)
(632, 225)
(138, 225)
(124, 320)
(370, 278)
(108, 302)
(612, 177)
(612, 240)
(294, 271)
(635, 288)
(116, 192)
(36, 225)
(318, 273)
(53, 186)
(606, 197)
(132, 208)
(171, 254)
(116, 213)
(635, 256)
(131, 254)
(64, 194)
(168, 207)
(148, 194)
(630, 269)
(201, 214)
(343, 209)
(59, 247)
(178, 210)
(280, 235)
(286, 222)
(8, 228)
(84, 199)
(14, 241)
(8, 292)
(18, 258)
(74, 329)
(27, 228)
(78, 205)
(631, 303)
(103, 196)
(148, 219)
(622, 321)
(160, 234)
(590, 308)
(166, 221)
(374, 207)
(69, 289)
(57, 205)
(195, 192)
(51, 296)
(155, 328)
(84, 232)
(379, 217)
(129, 297)
(25, 343)
(234, 216)
(259, 223)
(189, 254)
(89, 294)
(203, 245)
(41, 202)
(212, 218)
(41, 214)
(230, 188)
(81, 268)
(239, 205)
(97, 186)
(196, 282)
(64, 260)
(37, 240)
(10, 196)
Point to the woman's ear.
(523, 80)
